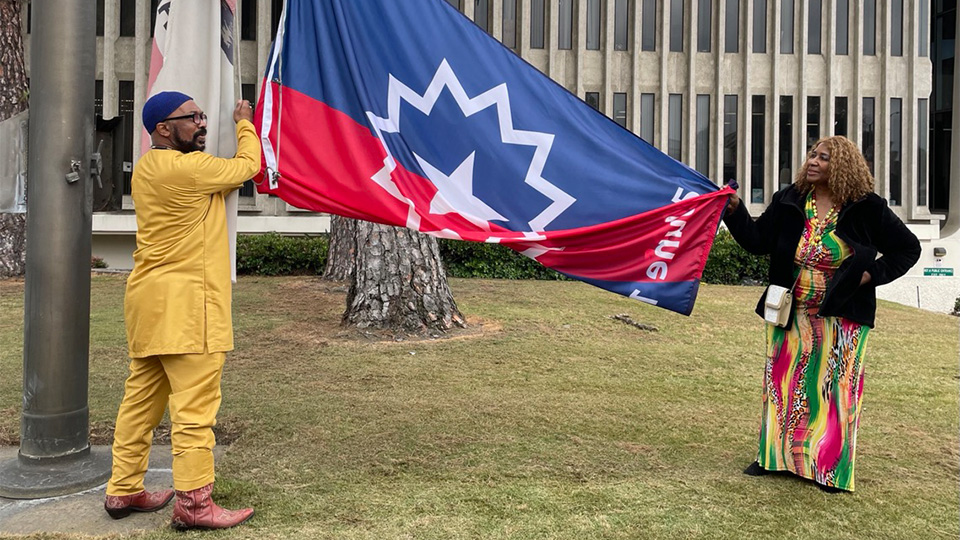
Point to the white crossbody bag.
(779, 300)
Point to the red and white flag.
(194, 53)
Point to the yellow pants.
(191, 384)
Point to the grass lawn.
(548, 419)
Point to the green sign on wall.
(938, 271)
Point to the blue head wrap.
(160, 106)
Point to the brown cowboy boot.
(196, 510)
(120, 506)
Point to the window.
(510, 23)
(785, 164)
(100, 15)
(481, 14)
(704, 11)
(621, 25)
(731, 42)
(896, 27)
(870, 27)
(126, 111)
(869, 127)
(814, 26)
(154, 4)
(646, 117)
(648, 38)
(759, 26)
(249, 93)
(593, 100)
(620, 108)
(730, 138)
(922, 154)
(840, 116)
(537, 13)
(757, 147)
(454, 3)
(276, 9)
(128, 18)
(923, 42)
(675, 126)
(565, 34)
(896, 152)
(703, 134)
(843, 27)
(676, 25)
(98, 98)
(813, 120)
(787, 35)
(248, 19)
(593, 24)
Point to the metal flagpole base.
(25, 478)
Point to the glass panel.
(126, 111)
(675, 126)
(646, 117)
(620, 108)
(128, 17)
(730, 138)
(565, 37)
(896, 27)
(813, 120)
(840, 116)
(100, 15)
(153, 17)
(704, 24)
(676, 25)
(593, 100)
(510, 23)
(481, 13)
(787, 32)
(703, 134)
(896, 152)
(814, 26)
(621, 25)
(593, 24)
(759, 26)
(868, 131)
(922, 144)
(843, 26)
(98, 98)
(648, 28)
(785, 164)
(732, 27)
(276, 9)
(870, 27)
(537, 13)
(923, 41)
(757, 147)
(248, 20)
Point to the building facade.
(738, 89)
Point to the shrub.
(98, 262)
(476, 259)
(274, 255)
(730, 264)
(956, 308)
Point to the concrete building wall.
(753, 63)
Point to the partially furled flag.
(406, 113)
(193, 52)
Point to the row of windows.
(623, 13)
(757, 125)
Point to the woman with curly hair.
(823, 233)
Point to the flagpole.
(55, 457)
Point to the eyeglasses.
(197, 117)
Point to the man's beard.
(192, 145)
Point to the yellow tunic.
(178, 295)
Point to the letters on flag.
(406, 113)
(193, 52)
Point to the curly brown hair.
(850, 177)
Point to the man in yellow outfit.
(177, 310)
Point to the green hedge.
(730, 264)
(275, 255)
(476, 259)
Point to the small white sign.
(127, 166)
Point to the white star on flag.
(455, 193)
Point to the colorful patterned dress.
(813, 379)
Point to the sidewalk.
(82, 513)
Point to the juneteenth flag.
(404, 112)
